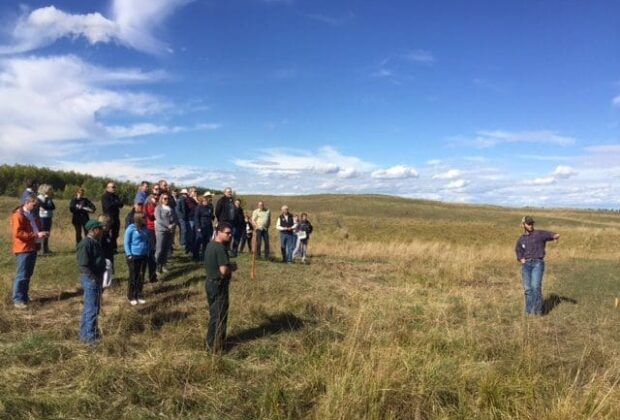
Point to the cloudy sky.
(480, 101)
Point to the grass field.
(408, 309)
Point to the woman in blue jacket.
(137, 247)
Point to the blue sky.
(512, 103)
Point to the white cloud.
(493, 138)
(133, 25)
(451, 174)
(456, 184)
(547, 180)
(49, 106)
(564, 172)
(146, 129)
(604, 148)
(395, 172)
(616, 101)
(326, 161)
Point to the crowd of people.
(207, 232)
(213, 234)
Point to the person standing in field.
(164, 229)
(530, 250)
(248, 233)
(80, 208)
(219, 272)
(27, 235)
(142, 194)
(111, 205)
(107, 248)
(46, 212)
(225, 208)
(261, 218)
(304, 229)
(203, 220)
(32, 185)
(238, 227)
(287, 225)
(149, 216)
(92, 267)
(136, 245)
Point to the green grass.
(409, 309)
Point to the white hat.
(207, 194)
(183, 191)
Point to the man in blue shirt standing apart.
(530, 251)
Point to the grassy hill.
(409, 309)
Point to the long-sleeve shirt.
(90, 258)
(532, 245)
(111, 204)
(46, 206)
(285, 222)
(203, 217)
(80, 208)
(262, 218)
(164, 218)
(136, 241)
(225, 210)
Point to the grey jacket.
(164, 218)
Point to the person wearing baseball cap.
(92, 266)
(530, 250)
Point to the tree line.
(13, 180)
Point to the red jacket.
(149, 216)
(24, 238)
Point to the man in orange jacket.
(27, 235)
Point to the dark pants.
(137, 269)
(150, 261)
(262, 235)
(79, 227)
(237, 233)
(246, 239)
(115, 227)
(217, 296)
(46, 226)
(202, 239)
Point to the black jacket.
(111, 204)
(203, 217)
(225, 210)
(80, 207)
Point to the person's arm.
(90, 207)
(218, 209)
(197, 218)
(72, 204)
(21, 231)
(278, 227)
(127, 242)
(51, 204)
(294, 227)
(519, 252)
(310, 228)
(225, 266)
(118, 202)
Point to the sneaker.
(141, 301)
(133, 302)
(20, 305)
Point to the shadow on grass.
(180, 271)
(178, 286)
(59, 297)
(167, 301)
(275, 324)
(158, 320)
(554, 300)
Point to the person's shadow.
(275, 324)
(554, 300)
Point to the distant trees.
(65, 183)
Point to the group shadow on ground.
(274, 324)
(554, 300)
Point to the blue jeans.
(92, 303)
(183, 232)
(190, 236)
(287, 246)
(262, 235)
(532, 274)
(25, 268)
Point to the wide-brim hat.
(183, 191)
(207, 194)
(527, 220)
